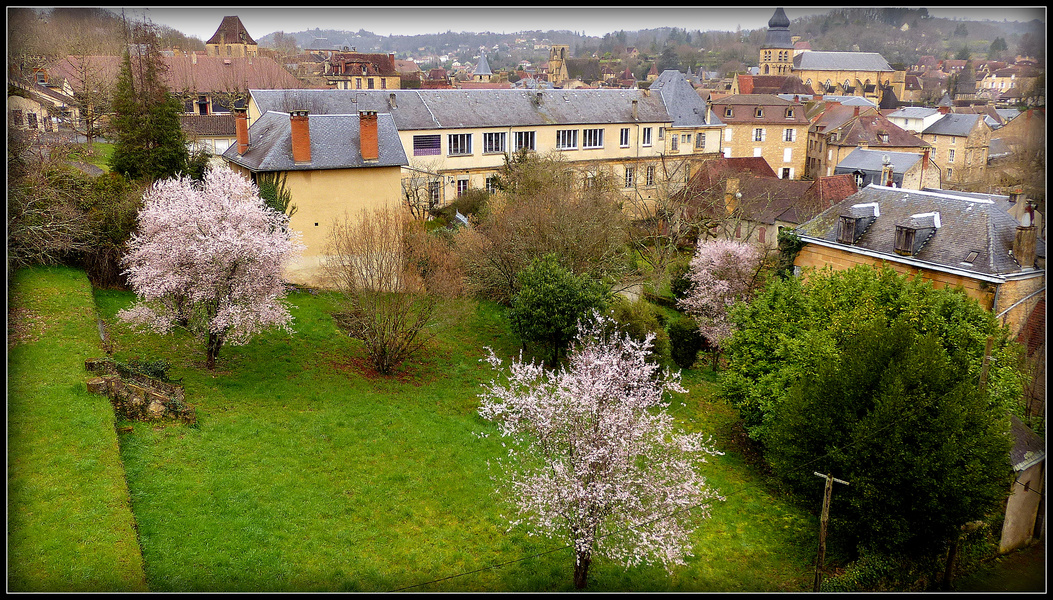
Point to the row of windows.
(760, 134)
(758, 112)
(491, 182)
(460, 144)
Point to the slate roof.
(871, 160)
(441, 109)
(482, 67)
(778, 35)
(231, 31)
(953, 124)
(840, 61)
(683, 104)
(914, 112)
(1028, 448)
(969, 223)
(335, 144)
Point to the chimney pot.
(855, 111)
(301, 135)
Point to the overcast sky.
(201, 22)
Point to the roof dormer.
(912, 234)
(853, 224)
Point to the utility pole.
(822, 525)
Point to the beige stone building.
(333, 164)
(960, 145)
(231, 40)
(839, 130)
(950, 238)
(766, 126)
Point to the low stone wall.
(136, 397)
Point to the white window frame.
(790, 135)
(674, 143)
(566, 139)
(700, 140)
(630, 176)
(525, 140)
(623, 140)
(649, 174)
(950, 155)
(459, 144)
(592, 139)
(491, 184)
(759, 134)
(494, 142)
(787, 155)
(463, 185)
(646, 140)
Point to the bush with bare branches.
(392, 275)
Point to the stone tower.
(776, 54)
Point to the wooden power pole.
(822, 525)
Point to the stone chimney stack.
(636, 110)
(301, 136)
(367, 135)
(731, 194)
(855, 111)
(1025, 240)
(241, 129)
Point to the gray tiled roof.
(872, 160)
(685, 107)
(953, 124)
(440, 109)
(969, 223)
(913, 112)
(335, 144)
(840, 61)
(482, 67)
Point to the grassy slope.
(70, 525)
(309, 473)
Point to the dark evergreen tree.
(149, 142)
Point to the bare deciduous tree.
(392, 276)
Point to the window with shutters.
(758, 134)
(790, 135)
(427, 145)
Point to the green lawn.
(69, 522)
(309, 472)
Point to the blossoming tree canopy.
(597, 459)
(722, 273)
(208, 256)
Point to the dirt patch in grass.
(362, 367)
(23, 325)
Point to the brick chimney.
(855, 111)
(924, 164)
(301, 136)
(367, 134)
(944, 109)
(241, 128)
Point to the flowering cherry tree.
(208, 256)
(595, 457)
(722, 273)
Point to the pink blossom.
(596, 457)
(722, 273)
(208, 255)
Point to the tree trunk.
(215, 341)
(581, 571)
